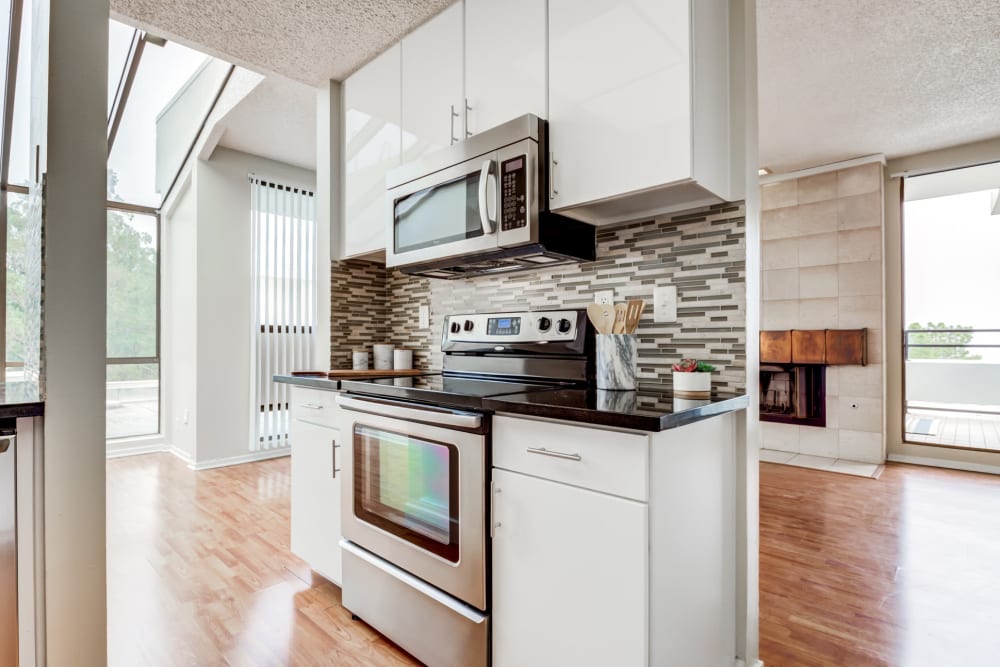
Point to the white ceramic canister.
(383, 356)
(359, 360)
(402, 359)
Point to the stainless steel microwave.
(481, 206)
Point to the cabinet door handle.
(312, 406)
(467, 110)
(553, 163)
(451, 126)
(333, 458)
(494, 490)
(558, 455)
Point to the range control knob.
(469, 324)
(564, 325)
(455, 327)
(544, 324)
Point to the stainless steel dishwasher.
(8, 546)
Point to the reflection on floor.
(844, 466)
(199, 573)
(958, 429)
(899, 571)
(895, 571)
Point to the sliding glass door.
(951, 282)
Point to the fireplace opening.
(793, 394)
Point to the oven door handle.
(442, 417)
(485, 178)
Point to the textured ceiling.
(310, 41)
(276, 120)
(845, 78)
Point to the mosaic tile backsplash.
(701, 252)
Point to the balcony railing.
(952, 381)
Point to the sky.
(952, 264)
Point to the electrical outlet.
(425, 317)
(185, 416)
(606, 298)
(665, 303)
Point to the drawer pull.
(312, 406)
(558, 455)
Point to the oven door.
(414, 482)
(449, 213)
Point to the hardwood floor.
(200, 574)
(901, 571)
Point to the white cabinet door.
(432, 96)
(371, 148)
(570, 580)
(619, 97)
(504, 61)
(316, 497)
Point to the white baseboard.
(236, 460)
(741, 663)
(181, 454)
(944, 463)
(135, 446)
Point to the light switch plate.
(665, 303)
(425, 317)
(607, 297)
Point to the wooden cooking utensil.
(602, 316)
(633, 313)
(620, 310)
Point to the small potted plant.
(693, 379)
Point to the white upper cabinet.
(504, 61)
(638, 106)
(432, 94)
(371, 149)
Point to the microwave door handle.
(484, 198)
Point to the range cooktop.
(440, 389)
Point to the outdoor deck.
(955, 429)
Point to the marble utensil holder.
(617, 357)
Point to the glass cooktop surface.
(442, 389)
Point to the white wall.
(178, 122)
(218, 402)
(953, 382)
(179, 344)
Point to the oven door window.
(440, 214)
(408, 486)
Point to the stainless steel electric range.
(416, 473)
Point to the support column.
(70, 127)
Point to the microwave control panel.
(513, 193)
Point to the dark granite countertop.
(21, 399)
(650, 408)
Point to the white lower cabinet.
(569, 575)
(614, 548)
(315, 494)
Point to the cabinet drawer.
(590, 458)
(315, 406)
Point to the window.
(159, 97)
(133, 376)
(283, 238)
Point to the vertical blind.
(284, 302)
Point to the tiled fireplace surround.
(822, 269)
(701, 252)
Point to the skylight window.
(163, 74)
